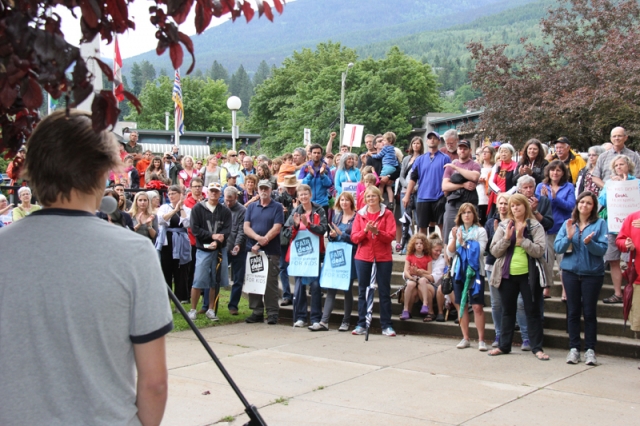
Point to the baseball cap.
(264, 182)
(214, 186)
(436, 134)
(465, 143)
(562, 139)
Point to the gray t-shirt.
(76, 294)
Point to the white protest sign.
(304, 255)
(307, 137)
(350, 187)
(257, 269)
(353, 135)
(623, 198)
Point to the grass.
(180, 324)
(282, 400)
(227, 419)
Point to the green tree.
(219, 72)
(262, 73)
(198, 74)
(148, 72)
(137, 81)
(383, 95)
(205, 107)
(163, 72)
(242, 87)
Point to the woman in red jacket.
(374, 228)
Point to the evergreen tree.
(242, 87)
(198, 74)
(163, 72)
(136, 79)
(219, 72)
(262, 73)
(148, 72)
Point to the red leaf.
(179, 9)
(248, 11)
(106, 69)
(31, 93)
(189, 45)
(133, 100)
(120, 14)
(8, 95)
(267, 11)
(175, 52)
(91, 12)
(104, 110)
(204, 13)
(279, 6)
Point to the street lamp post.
(344, 80)
(234, 104)
(166, 120)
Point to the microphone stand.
(251, 410)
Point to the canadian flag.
(118, 88)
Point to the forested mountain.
(305, 23)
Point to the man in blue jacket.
(316, 174)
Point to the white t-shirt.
(481, 189)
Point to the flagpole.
(48, 103)
(175, 125)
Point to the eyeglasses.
(196, 186)
(592, 155)
(233, 155)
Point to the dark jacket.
(544, 208)
(537, 172)
(346, 234)
(173, 174)
(204, 223)
(318, 225)
(287, 202)
(237, 237)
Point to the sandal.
(542, 356)
(613, 299)
(495, 352)
(428, 318)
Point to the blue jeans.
(238, 265)
(496, 311)
(300, 301)
(284, 275)
(582, 297)
(205, 273)
(383, 278)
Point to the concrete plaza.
(296, 377)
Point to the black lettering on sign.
(256, 264)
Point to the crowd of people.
(499, 218)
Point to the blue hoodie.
(319, 183)
(561, 206)
(584, 259)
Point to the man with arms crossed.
(72, 365)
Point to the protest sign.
(623, 198)
(307, 137)
(257, 269)
(350, 187)
(336, 270)
(304, 255)
(352, 135)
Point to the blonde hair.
(373, 190)
(134, 206)
(369, 178)
(522, 201)
(184, 161)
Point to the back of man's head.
(66, 154)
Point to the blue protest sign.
(304, 255)
(336, 270)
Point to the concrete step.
(607, 345)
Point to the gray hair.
(262, 157)
(630, 165)
(231, 191)
(301, 151)
(344, 158)
(152, 195)
(23, 190)
(597, 149)
(451, 133)
(525, 180)
(507, 146)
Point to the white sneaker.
(299, 323)
(590, 357)
(482, 346)
(192, 314)
(464, 343)
(211, 314)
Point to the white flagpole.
(175, 124)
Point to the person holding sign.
(347, 175)
(262, 224)
(373, 230)
(583, 240)
(308, 216)
(340, 231)
(622, 168)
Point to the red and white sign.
(353, 135)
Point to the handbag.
(447, 279)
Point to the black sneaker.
(286, 302)
(272, 319)
(253, 318)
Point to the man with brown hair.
(72, 365)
